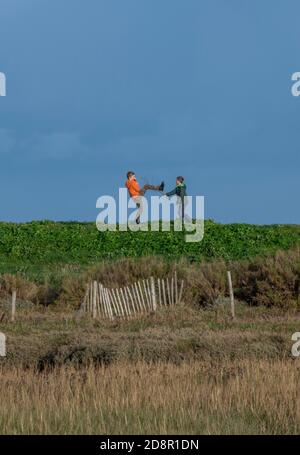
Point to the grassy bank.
(32, 247)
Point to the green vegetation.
(28, 245)
(270, 279)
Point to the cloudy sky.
(197, 88)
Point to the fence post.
(168, 291)
(101, 302)
(85, 300)
(114, 306)
(118, 304)
(139, 294)
(154, 305)
(108, 303)
(180, 292)
(2, 345)
(95, 300)
(90, 296)
(159, 291)
(231, 294)
(13, 304)
(164, 291)
(143, 300)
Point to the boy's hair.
(130, 173)
(180, 179)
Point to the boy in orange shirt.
(135, 191)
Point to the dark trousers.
(148, 187)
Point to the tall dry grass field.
(249, 396)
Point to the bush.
(45, 242)
(270, 281)
(27, 290)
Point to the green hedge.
(47, 242)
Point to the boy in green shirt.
(180, 192)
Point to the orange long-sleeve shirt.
(133, 187)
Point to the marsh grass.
(180, 370)
(50, 335)
(244, 397)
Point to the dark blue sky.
(198, 88)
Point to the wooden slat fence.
(143, 296)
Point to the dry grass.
(270, 281)
(48, 336)
(261, 397)
(180, 370)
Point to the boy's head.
(130, 175)
(179, 180)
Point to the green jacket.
(179, 190)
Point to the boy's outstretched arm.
(171, 193)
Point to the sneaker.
(161, 186)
